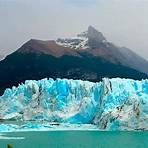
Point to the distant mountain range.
(89, 56)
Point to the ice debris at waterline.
(31, 126)
(113, 104)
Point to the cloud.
(80, 3)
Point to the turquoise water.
(75, 139)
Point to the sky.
(123, 22)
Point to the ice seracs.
(113, 104)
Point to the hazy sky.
(124, 22)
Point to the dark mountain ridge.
(88, 57)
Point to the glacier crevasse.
(113, 104)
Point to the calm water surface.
(75, 139)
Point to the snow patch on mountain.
(74, 43)
(84, 40)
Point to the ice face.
(54, 101)
(111, 104)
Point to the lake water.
(74, 139)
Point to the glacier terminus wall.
(113, 104)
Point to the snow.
(82, 40)
(74, 43)
(113, 104)
(78, 42)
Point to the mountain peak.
(92, 28)
(94, 34)
(91, 38)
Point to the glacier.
(112, 104)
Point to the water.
(74, 139)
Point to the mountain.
(89, 56)
(133, 60)
(92, 39)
